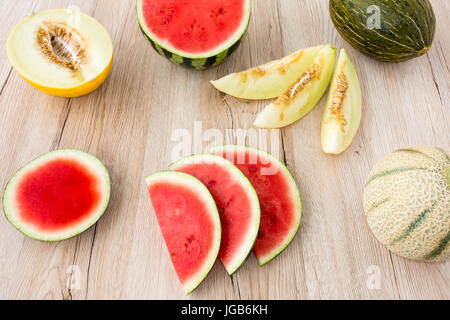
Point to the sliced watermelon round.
(189, 222)
(236, 201)
(194, 33)
(278, 195)
(58, 195)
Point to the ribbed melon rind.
(199, 61)
(241, 179)
(294, 194)
(96, 167)
(407, 203)
(196, 185)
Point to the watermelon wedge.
(236, 201)
(278, 195)
(189, 222)
(58, 195)
(194, 33)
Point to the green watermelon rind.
(244, 182)
(294, 191)
(204, 193)
(96, 166)
(194, 61)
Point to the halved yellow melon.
(268, 80)
(302, 94)
(61, 52)
(342, 114)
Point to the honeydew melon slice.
(268, 80)
(342, 113)
(302, 94)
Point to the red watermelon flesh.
(58, 195)
(236, 202)
(189, 223)
(194, 26)
(278, 197)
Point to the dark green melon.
(194, 33)
(387, 30)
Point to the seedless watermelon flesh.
(236, 201)
(278, 196)
(57, 195)
(189, 222)
(194, 33)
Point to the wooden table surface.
(132, 121)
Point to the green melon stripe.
(441, 247)
(411, 150)
(414, 224)
(444, 153)
(392, 171)
(376, 205)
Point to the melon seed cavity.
(338, 99)
(62, 44)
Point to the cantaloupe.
(407, 202)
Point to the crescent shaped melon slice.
(189, 222)
(342, 113)
(302, 95)
(269, 80)
(236, 201)
(278, 195)
(58, 195)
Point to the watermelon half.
(194, 33)
(189, 222)
(236, 201)
(58, 195)
(278, 195)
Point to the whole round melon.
(387, 30)
(407, 202)
(194, 33)
(57, 195)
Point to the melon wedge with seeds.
(278, 195)
(61, 52)
(58, 195)
(268, 80)
(236, 201)
(302, 95)
(342, 113)
(189, 222)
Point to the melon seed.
(338, 99)
(62, 45)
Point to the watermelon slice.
(189, 222)
(236, 201)
(278, 195)
(58, 195)
(194, 33)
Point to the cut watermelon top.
(194, 26)
(57, 195)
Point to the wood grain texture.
(131, 122)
